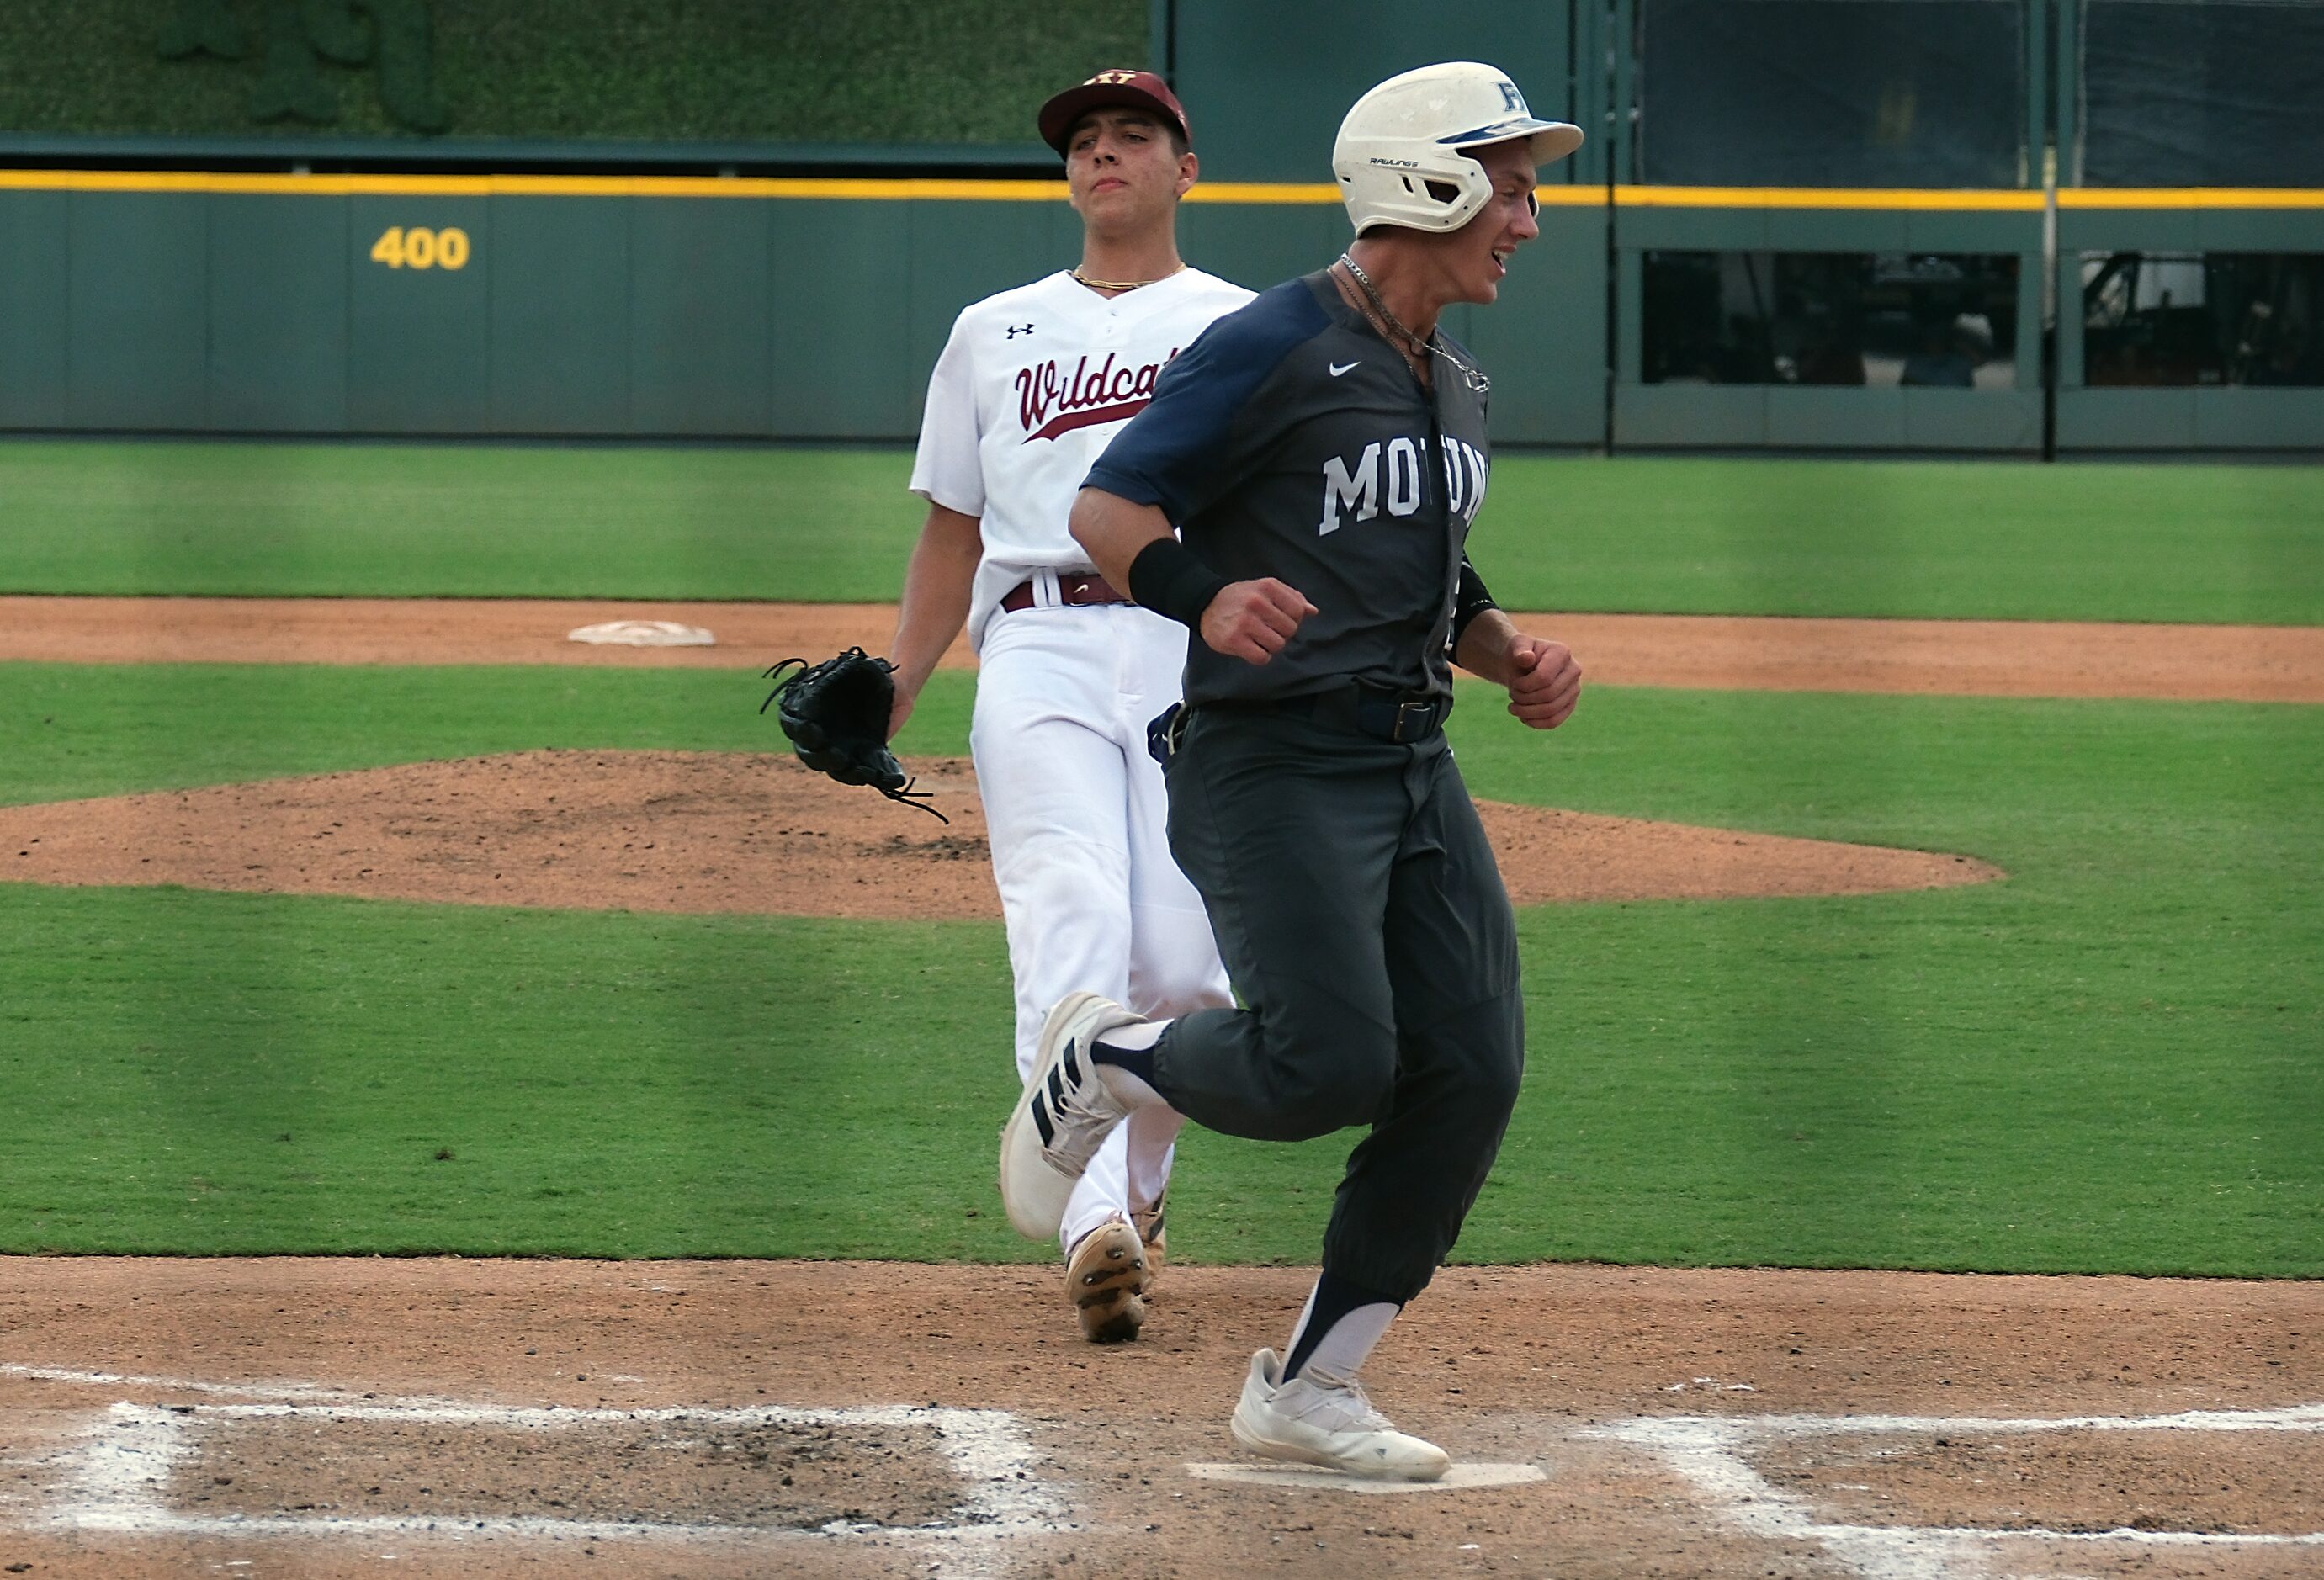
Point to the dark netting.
(2220, 93)
(1832, 93)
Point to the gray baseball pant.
(1363, 920)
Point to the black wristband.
(1167, 578)
(1470, 599)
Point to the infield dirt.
(731, 831)
(2258, 664)
(1547, 1366)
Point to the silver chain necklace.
(1471, 374)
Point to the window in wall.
(1876, 319)
(2178, 318)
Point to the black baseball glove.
(836, 713)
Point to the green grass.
(2113, 1061)
(1937, 540)
(908, 71)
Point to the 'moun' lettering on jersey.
(1388, 473)
(1083, 397)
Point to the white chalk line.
(1709, 1452)
(117, 1477)
(285, 1390)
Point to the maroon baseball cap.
(1137, 90)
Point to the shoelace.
(1347, 1407)
(1077, 1138)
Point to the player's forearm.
(938, 585)
(1111, 530)
(1483, 649)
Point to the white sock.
(1136, 1037)
(1129, 1088)
(1341, 1351)
(1128, 1091)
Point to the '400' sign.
(301, 37)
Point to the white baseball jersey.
(1031, 387)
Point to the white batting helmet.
(1403, 153)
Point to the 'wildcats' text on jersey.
(1083, 398)
(1390, 476)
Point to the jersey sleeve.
(1205, 428)
(949, 471)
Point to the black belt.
(1400, 717)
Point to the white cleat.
(1328, 1425)
(1061, 1116)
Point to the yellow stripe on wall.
(528, 185)
(865, 189)
(1288, 193)
(2190, 197)
(1921, 199)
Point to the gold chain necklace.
(1120, 284)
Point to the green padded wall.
(702, 315)
(278, 313)
(418, 342)
(137, 309)
(36, 263)
(560, 271)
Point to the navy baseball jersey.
(1291, 441)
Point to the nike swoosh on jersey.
(1339, 368)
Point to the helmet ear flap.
(1423, 187)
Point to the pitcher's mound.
(662, 830)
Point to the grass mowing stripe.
(196, 1072)
(2216, 543)
(1933, 539)
(2109, 1062)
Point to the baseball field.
(738, 1049)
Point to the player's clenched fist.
(1545, 683)
(1251, 621)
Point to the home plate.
(1316, 1478)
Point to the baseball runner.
(1322, 452)
(1031, 385)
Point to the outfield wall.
(580, 306)
(806, 308)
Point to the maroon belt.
(1073, 591)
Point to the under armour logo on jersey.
(1017, 329)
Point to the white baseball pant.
(1077, 816)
